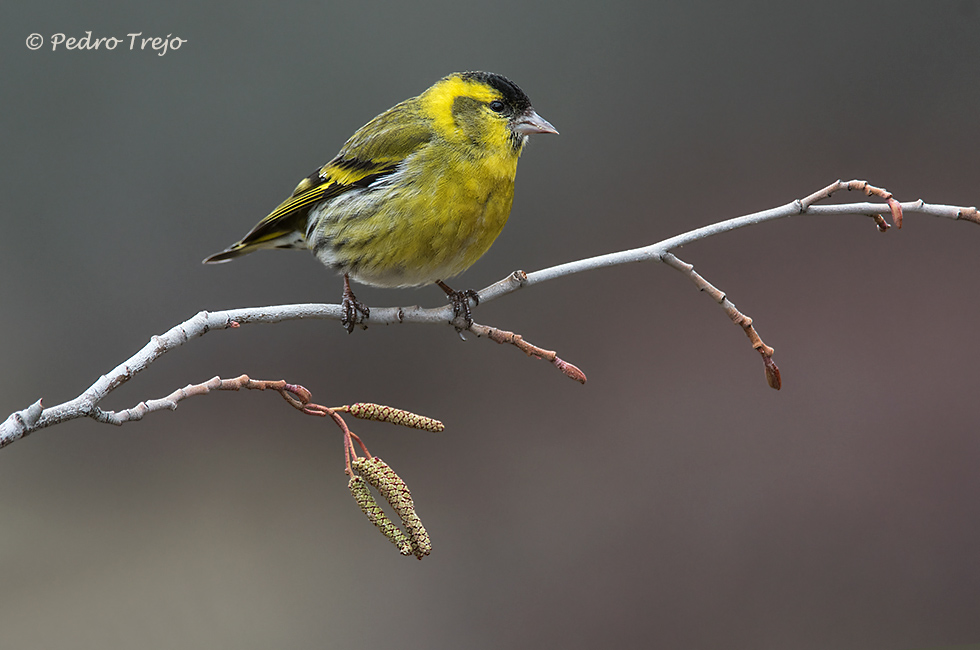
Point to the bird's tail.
(259, 238)
(230, 253)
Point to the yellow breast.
(430, 220)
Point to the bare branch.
(654, 252)
(503, 336)
(297, 396)
(23, 422)
(772, 371)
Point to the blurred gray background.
(674, 501)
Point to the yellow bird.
(415, 196)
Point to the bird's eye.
(497, 106)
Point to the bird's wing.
(374, 152)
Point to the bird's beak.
(530, 122)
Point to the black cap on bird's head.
(524, 119)
(511, 91)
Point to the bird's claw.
(460, 301)
(351, 306)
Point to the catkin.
(376, 472)
(368, 411)
(365, 500)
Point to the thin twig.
(772, 371)
(503, 336)
(894, 206)
(296, 395)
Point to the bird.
(415, 197)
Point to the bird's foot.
(460, 301)
(351, 306)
